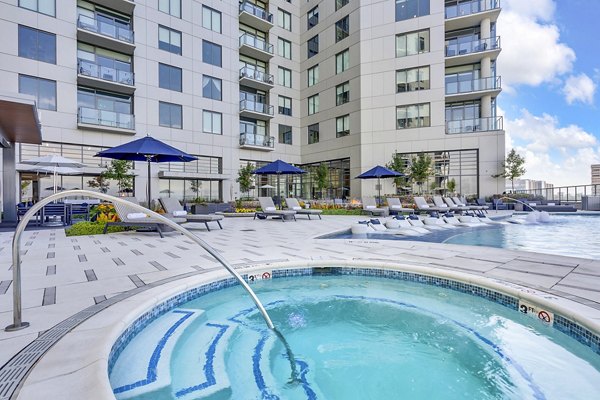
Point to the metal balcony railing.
(256, 11)
(251, 139)
(457, 48)
(255, 106)
(105, 28)
(94, 70)
(254, 74)
(256, 42)
(112, 119)
(474, 85)
(461, 8)
(474, 125)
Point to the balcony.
(253, 141)
(107, 34)
(458, 53)
(255, 16)
(474, 125)
(123, 6)
(104, 120)
(256, 110)
(255, 47)
(462, 14)
(98, 76)
(473, 89)
(256, 79)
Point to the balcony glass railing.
(112, 119)
(474, 125)
(252, 139)
(254, 74)
(256, 42)
(460, 8)
(456, 47)
(94, 70)
(255, 106)
(256, 11)
(473, 85)
(105, 28)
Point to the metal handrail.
(18, 323)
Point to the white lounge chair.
(455, 206)
(417, 223)
(404, 223)
(370, 206)
(422, 205)
(395, 205)
(400, 227)
(174, 209)
(293, 204)
(437, 222)
(269, 210)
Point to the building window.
(171, 7)
(313, 46)
(43, 90)
(340, 3)
(212, 88)
(37, 45)
(170, 115)
(313, 133)
(313, 104)
(47, 7)
(169, 40)
(211, 53)
(169, 77)
(285, 134)
(342, 61)
(285, 48)
(211, 19)
(412, 116)
(313, 75)
(342, 126)
(342, 28)
(212, 122)
(312, 17)
(407, 9)
(412, 43)
(408, 80)
(342, 93)
(285, 105)
(285, 77)
(285, 19)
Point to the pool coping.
(79, 360)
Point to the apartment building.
(595, 168)
(343, 82)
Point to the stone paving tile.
(537, 268)
(579, 292)
(576, 280)
(530, 279)
(466, 264)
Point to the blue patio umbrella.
(379, 172)
(147, 149)
(278, 167)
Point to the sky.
(550, 69)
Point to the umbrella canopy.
(58, 170)
(53, 162)
(267, 187)
(279, 167)
(146, 149)
(379, 172)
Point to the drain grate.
(247, 230)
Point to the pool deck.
(64, 275)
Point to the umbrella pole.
(379, 190)
(278, 192)
(149, 182)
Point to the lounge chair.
(404, 223)
(174, 209)
(437, 222)
(481, 202)
(422, 205)
(133, 218)
(444, 206)
(269, 210)
(454, 206)
(293, 204)
(418, 223)
(370, 206)
(462, 202)
(499, 205)
(395, 205)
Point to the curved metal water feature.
(519, 201)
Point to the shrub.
(90, 228)
(103, 213)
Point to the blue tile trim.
(151, 371)
(310, 394)
(209, 372)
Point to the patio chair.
(132, 218)
(22, 209)
(174, 209)
(481, 202)
(395, 206)
(269, 210)
(422, 205)
(444, 206)
(455, 206)
(55, 210)
(370, 206)
(463, 203)
(293, 204)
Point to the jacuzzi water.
(353, 337)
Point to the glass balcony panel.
(461, 8)
(250, 139)
(256, 42)
(474, 125)
(256, 11)
(247, 72)
(93, 70)
(105, 27)
(93, 116)
(474, 85)
(455, 47)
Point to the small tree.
(451, 185)
(398, 164)
(118, 170)
(322, 178)
(245, 179)
(512, 168)
(99, 182)
(420, 169)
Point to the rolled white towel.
(370, 207)
(360, 229)
(392, 224)
(179, 213)
(269, 208)
(136, 215)
(378, 227)
(296, 208)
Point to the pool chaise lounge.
(445, 206)
(174, 209)
(294, 205)
(423, 206)
(395, 205)
(370, 206)
(456, 207)
(268, 209)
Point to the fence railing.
(563, 193)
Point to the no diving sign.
(534, 311)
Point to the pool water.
(353, 338)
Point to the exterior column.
(486, 71)
(9, 183)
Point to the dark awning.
(19, 121)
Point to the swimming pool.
(572, 235)
(354, 337)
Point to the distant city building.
(595, 174)
(528, 184)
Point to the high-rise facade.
(343, 82)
